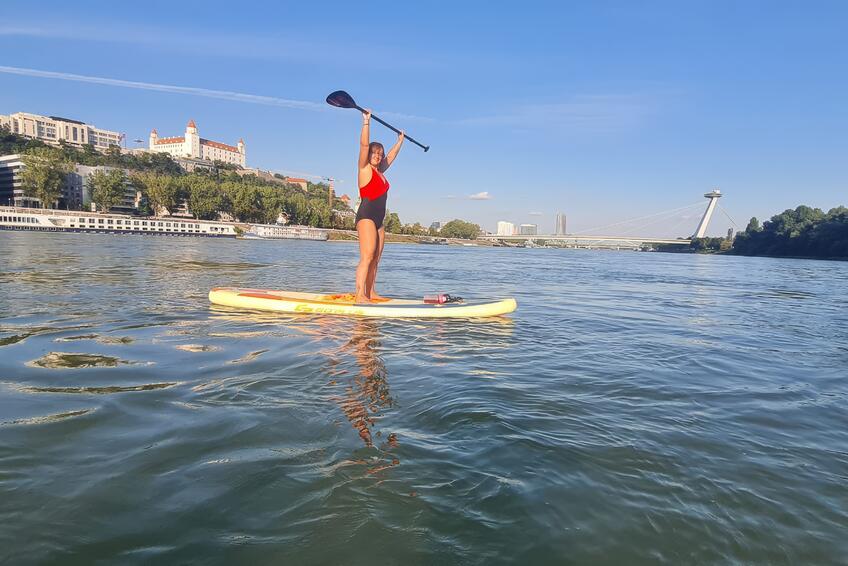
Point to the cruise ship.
(46, 220)
(278, 232)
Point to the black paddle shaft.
(342, 99)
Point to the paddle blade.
(341, 99)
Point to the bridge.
(588, 241)
(625, 241)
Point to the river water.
(637, 408)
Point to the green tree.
(320, 214)
(245, 201)
(753, 225)
(414, 229)
(44, 174)
(205, 198)
(107, 188)
(296, 208)
(392, 223)
(161, 190)
(273, 204)
(460, 229)
(802, 232)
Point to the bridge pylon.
(708, 214)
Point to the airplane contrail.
(194, 91)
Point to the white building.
(528, 230)
(193, 146)
(77, 191)
(53, 129)
(75, 195)
(560, 224)
(11, 192)
(505, 228)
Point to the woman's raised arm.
(364, 139)
(395, 149)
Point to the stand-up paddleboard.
(286, 301)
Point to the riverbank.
(350, 236)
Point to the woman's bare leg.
(372, 273)
(367, 231)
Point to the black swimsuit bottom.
(372, 210)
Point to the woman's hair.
(371, 147)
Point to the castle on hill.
(192, 145)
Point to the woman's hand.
(366, 116)
(401, 136)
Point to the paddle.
(343, 100)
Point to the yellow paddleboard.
(316, 303)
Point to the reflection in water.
(354, 349)
(100, 390)
(47, 418)
(70, 360)
(368, 391)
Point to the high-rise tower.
(705, 221)
(560, 224)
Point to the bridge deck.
(575, 238)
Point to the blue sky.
(603, 110)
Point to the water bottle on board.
(441, 298)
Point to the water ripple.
(636, 409)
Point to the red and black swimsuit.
(373, 195)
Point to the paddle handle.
(395, 130)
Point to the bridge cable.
(721, 208)
(679, 222)
(699, 203)
(669, 219)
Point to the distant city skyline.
(599, 117)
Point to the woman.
(373, 162)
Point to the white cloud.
(195, 91)
(189, 90)
(536, 213)
(585, 113)
(480, 196)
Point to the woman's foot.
(361, 300)
(375, 298)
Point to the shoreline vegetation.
(802, 233)
(222, 192)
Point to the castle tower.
(154, 135)
(192, 140)
(243, 151)
(708, 214)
